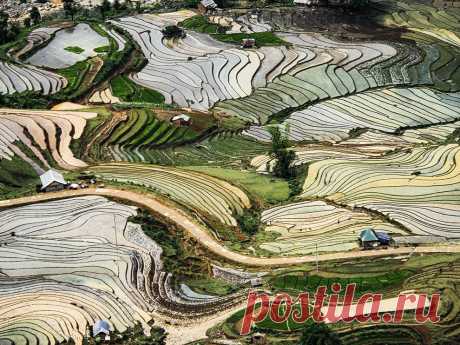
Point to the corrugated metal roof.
(181, 117)
(368, 235)
(51, 176)
(101, 326)
(208, 3)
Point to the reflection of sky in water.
(54, 55)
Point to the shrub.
(319, 334)
(249, 221)
(173, 31)
(75, 50)
(104, 49)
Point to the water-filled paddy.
(54, 54)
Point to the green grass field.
(75, 74)
(129, 91)
(262, 38)
(201, 24)
(268, 188)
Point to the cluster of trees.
(71, 8)
(173, 31)
(34, 17)
(284, 157)
(284, 160)
(8, 29)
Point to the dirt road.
(202, 236)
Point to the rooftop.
(181, 117)
(51, 176)
(368, 235)
(208, 3)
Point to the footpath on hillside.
(202, 236)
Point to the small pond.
(55, 56)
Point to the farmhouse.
(52, 181)
(248, 43)
(368, 239)
(101, 326)
(205, 6)
(383, 237)
(181, 120)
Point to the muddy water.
(305, 18)
(335, 20)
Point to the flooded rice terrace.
(55, 55)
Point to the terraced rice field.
(223, 149)
(198, 71)
(242, 24)
(20, 78)
(388, 111)
(201, 192)
(36, 38)
(434, 29)
(374, 125)
(121, 42)
(54, 55)
(308, 226)
(314, 153)
(256, 84)
(141, 131)
(60, 276)
(417, 188)
(330, 69)
(104, 97)
(40, 132)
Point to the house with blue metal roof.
(368, 239)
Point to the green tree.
(173, 31)
(70, 8)
(284, 157)
(319, 334)
(249, 221)
(105, 7)
(27, 22)
(358, 4)
(116, 5)
(35, 15)
(13, 32)
(3, 27)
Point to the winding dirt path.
(201, 235)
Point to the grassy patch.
(302, 282)
(75, 74)
(17, 178)
(267, 188)
(128, 91)
(262, 38)
(210, 286)
(74, 49)
(201, 24)
(104, 49)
